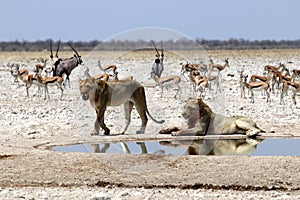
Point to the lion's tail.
(159, 122)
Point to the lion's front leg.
(96, 128)
(188, 132)
(100, 123)
(249, 126)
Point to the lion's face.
(191, 109)
(87, 88)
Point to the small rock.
(101, 196)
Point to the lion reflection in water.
(216, 147)
(201, 120)
(124, 147)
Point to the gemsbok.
(66, 66)
(158, 66)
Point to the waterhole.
(254, 147)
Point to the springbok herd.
(276, 80)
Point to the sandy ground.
(29, 126)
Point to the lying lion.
(201, 120)
(102, 94)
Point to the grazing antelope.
(256, 86)
(48, 81)
(66, 66)
(158, 66)
(163, 80)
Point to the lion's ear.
(79, 80)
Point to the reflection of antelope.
(216, 147)
(124, 146)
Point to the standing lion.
(201, 120)
(102, 94)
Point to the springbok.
(108, 67)
(158, 66)
(48, 81)
(219, 67)
(289, 86)
(28, 79)
(39, 67)
(66, 66)
(277, 76)
(163, 80)
(256, 86)
(201, 85)
(13, 68)
(202, 68)
(128, 78)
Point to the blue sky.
(87, 20)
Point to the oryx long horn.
(162, 49)
(73, 49)
(56, 55)
(155, 48)
(51, 52)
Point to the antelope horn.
(51, 52)
(56, 55)
(155, 48)
(162, 49)
(73, 49)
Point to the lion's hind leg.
(127, 108)
(248, 126)
(141, 107)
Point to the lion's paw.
(140, 132)
(94, 133)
